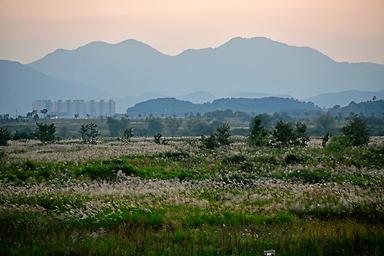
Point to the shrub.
(89, 133)
(285, 135)
(23, 134)
(2, 155)
(4, 136)
(293, 159)
(300, 138)
(45, 132)
(282, 134)
(235, 159)
(325, 139)
(105, 170)
(338, 143)
(210, 142)
(356, 131)
(128, 134)
(311, 176)
(258, 135)
(223, 133)
(158, 139)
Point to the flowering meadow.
(143, 198)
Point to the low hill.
(368, 108)
(175, 107)
(343, 98)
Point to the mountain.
(197, 97)
(344, 98)
(175, 107)
(254, 64)
(368, 108)
(122, 103)
(21, 85)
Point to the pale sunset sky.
(345, 30)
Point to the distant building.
(80, 108)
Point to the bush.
(282, 134)
(293, 159)
(2, 155)
(311, 176)
(356, 131)
(89, 133)
(210, 142)
(235, 159)
(4, 136)
(325, 139)
(285, 135)
(127, 135)
(338, 143)
(300, 138)
(45, 132)
(158, 139)
(23, 134)
(223, 133)
(258, 135)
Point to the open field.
(141, 198)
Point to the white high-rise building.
(79, 108)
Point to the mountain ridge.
(17, 79)
(240, 64)
(343, 98)
(171, 106)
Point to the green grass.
(230, 214)
(142, 235)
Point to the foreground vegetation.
(143, 198)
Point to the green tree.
(282, 134)
(45, 132)
(300, 138)
(89, 133)
(223, 133)
(158, 139)
(128, 134)
(356, 131)
(325, 139)
(258, 135)
(4, 136)
(210, 142)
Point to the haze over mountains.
(344, 98)
(254, 65)
(173, 107)
(20, 85)
(248, 68)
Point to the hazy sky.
(346, 30)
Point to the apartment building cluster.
(75, 108)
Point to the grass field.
(140, 198)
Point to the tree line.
(282, 134)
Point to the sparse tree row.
(261, 133)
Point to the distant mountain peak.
(132, 41)
(241, 64)
(251, 40)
